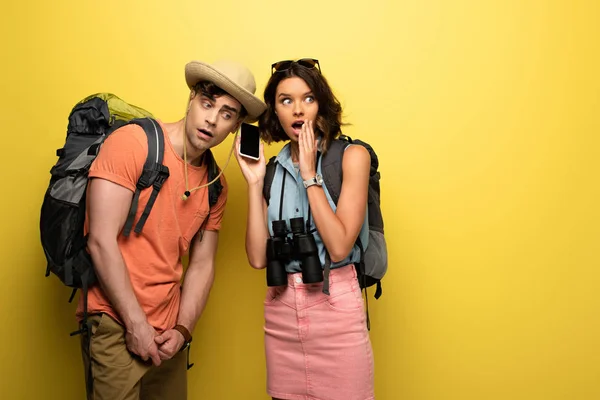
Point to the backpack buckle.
(161, 177)
(144, 180)
(163, 170)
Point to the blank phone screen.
(250, 140)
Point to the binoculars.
(282, 249)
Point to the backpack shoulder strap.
(154, 173)
(270, 174)
(375, 215)
(215, 189)
(331, 166)
(156, 140)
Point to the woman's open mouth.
(297, 127)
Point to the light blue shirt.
(295, 204)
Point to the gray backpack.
(373, 265)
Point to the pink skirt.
(317, 346)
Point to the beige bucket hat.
(232, 77)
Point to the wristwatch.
(316, 180)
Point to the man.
(141, 315)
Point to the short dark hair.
(329, 118)
(210, 90)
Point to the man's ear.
(192, 95)
(237, 126)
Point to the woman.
(317, 344)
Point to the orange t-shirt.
(153, 258)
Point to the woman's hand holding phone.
(253, 170)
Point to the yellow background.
(485, 118)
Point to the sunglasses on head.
(309, 63)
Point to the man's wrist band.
(187, 336)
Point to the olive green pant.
(117, 374)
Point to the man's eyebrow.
(232, 109)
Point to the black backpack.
(373, 264)
(62, 216)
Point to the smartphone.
(249, 141)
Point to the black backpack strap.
(214, 189)
(375, 215)
(154, 173)
(332, 171)
(331, 167)
(379, 290)
(268, 182)
(87, 278)
(86, 332)
(188, 365)
(326, 272)
(362, 279)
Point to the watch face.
(317, 180)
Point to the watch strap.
(312, 181)
(187, 336)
